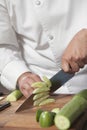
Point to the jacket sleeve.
(11, 62)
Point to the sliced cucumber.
(39, 95)
(38, 84)
(42, 89)
(38, 101)
(47, 101)
(47, 81)
(14, 96)
(56, 110)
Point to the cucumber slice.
(39, 95)
(56, 110)
(38, 84)
(69, 113)
(47, 101)
(42, 89)
(47, 81)
(14, 96)
(38, 101)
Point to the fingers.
(81, 64)
(26, 90)
(25, 81)
(72, 67)
(35, 77)
(65, 66)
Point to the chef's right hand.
(25, 81)
(75, 55)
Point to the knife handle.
(4, 105)
(1, 93)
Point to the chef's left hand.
(75, 55)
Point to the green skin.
(14, 96)
(46, 119)
(72, 109)
(38, 113)
(82, 93)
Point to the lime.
(53, 114)
(38, 113)
(46, 119)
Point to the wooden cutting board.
(9, 120)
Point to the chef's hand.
(25, 81)
(75, 55)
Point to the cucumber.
(38, 84)
(38, 101)
(47, 81)
(47, 101)
(69, 113)
(62, 122)
(42, 89)
(82, 93)
(14, 96)
(39, 95)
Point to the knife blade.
(57, 81)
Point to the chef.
(41, 37)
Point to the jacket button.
(37, 2)
(51, 37)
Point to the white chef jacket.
(34, 35)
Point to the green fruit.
(46, 119)
(70, 112)
(38, 113)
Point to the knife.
(57, 81)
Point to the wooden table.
(9, 120)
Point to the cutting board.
(9, 120)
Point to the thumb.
(66, 66)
